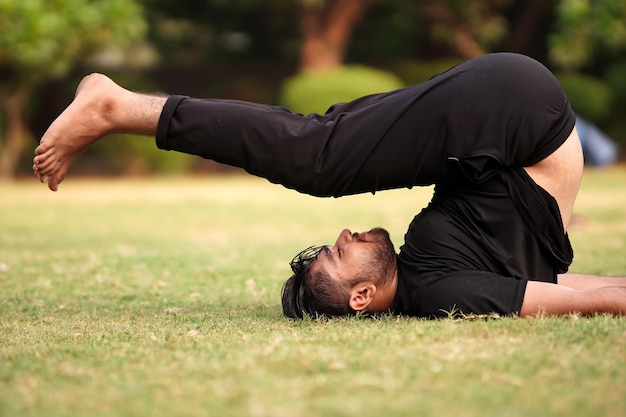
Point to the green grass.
(161, 297)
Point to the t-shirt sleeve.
(471, 292)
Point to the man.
(495, 135)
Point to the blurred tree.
(243, 48)
(326, 27)
(43, 39)
(471, 28)
(530, 21)
(587, 30)
(192, 32)
(259, 29)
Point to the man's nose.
(344, 237)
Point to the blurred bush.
(590, 97)
(616, 79)
(316, 91)
(415, 72)
(134, 155)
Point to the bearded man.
(495, 135)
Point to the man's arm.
(575, 293)
(589, 282)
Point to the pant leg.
(506, 109)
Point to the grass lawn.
(160, 297)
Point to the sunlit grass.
(161, 297)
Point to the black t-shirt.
(472, 251)
(477, 123)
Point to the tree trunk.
(461, 36)
(535, 15)
(326, 27)
(465, 43)
(15, 134)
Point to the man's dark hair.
(315, 295)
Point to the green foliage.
(45, 38)
(585, 29)
(315, 91)
(616, 79)
(483, 21)
(590, 97)
(615, 127)
(188, 32)
(129, 154)
(415, 72)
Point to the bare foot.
(88, 118)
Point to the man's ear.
(361, 296)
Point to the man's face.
(366, 254)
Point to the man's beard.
(381, 234)
(381, 264)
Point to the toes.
(47, 169)
(37, 173)
(54, 181)
(43, 147)
(45, 166)
(43, 159)
(41, 154)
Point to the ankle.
(112, 112)
(117, 110)
(115, 106)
